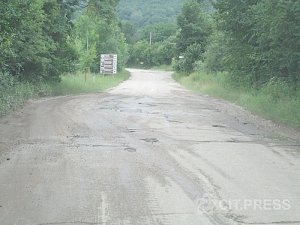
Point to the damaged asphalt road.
(145, 152)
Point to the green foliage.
(141, 54)
(97, 32)
(13, 93)
(263, 39)
(36, 45)
(255, 40)
(33, 44)
(192, 54)
(195, 27)
(146, 55)
(130, 32)
(166, 51)
(106, 9)
(214, 56)
(159, 52)
(159, 32)
(147, 12)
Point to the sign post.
(108, 63)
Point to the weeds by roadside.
(86, 83)
(275, 100)
(13, 94)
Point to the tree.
(142, 13)
(97, 32)
(159, 32)
(195, 27)
(215, 54)
(106, 9)
(34, 38)
(130, 32)
(263, 39)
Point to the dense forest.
(147, 12)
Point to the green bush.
(214, 56)
(262, 39)
(13, 93)
(146, 55)
(190, 58)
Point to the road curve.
(145, 152)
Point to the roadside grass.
(77, 83)
(14, 97)
(13, 94)
(275, 101)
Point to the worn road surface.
(146, 152)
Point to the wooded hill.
(146, 12)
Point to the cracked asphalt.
(145, 152)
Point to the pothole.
(217, 125)
(175, 121)
(150, 140)
(130, 149)
(131, 130)
(77, 136)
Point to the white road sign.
(108, 63)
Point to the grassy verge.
(15, 97)
(14, 94)
(275, 101)
(86, 83)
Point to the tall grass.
(78, 83)
(13, 94)
(276, 100)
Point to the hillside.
(146, 12)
